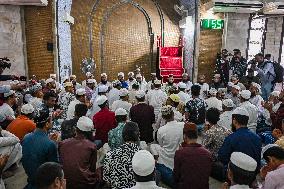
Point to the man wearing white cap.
(255, 98)
(6, 109)
(122, 102)
(234, 95)
(104, 81)
(24, 123)
(213, 101)
(142, 83)
(79, 156)
(143, 164)
(113, 94)
(90, 88)
(120, 77)
(226, 116)
(102, 91)
(66, 98)
(80, 99)
(186, 80)
(204, 86)
(89, 75)
(241, 171)
(241, 140)
(184, 97)
(131, 80)
(115, 135)
(251, 109)
(57, 84)
(156, 98)
(37, 96)
(143, 115)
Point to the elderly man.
(234, 95)
(169, 137)
(143, 115)
(131, 80)
(120, 77)
(184, 97)
(213, 101)
(80, 99)
(192, 163)
(156, 98)
(226, 116)
(6, 111)
(251, 109)
(24, 123)
(79, 156)
(143, 164)
(122, 102)
(255, 98)
(66, 98)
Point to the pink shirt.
(275, 179)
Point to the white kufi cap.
(10, 93)
(275, 93)
(256, 86)
(228, 103)
(212, 91)
(120, 112)
(49, 80)
(140, 94)
(182, 85)
(143, 163)
(85, 124)
(236, 87)
(80, 92)
(123, 92)
(246, 94)
(120, 74)
(240, 111)
(243, 161)
(27, 109)
(101, 99)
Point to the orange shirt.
(21, 126)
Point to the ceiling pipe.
(24, 2)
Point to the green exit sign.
(212, 24)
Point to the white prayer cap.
(123, 92)
(240, 111)
(120, 74)
(15, 82)
(89, 74)
(130, 74)
(91, 81)
(68, 84)
(265, 148)
(243, 161)
(222, 90)
(242, 87)
(140, 94)
(275, 93)
(143, 163)
(139, 75)
(236, 87)
(120, 112)
(157, 82)
(101, 99)
(230, 84)
(246, 94)
(102, 89)
(85, 124)
(10, 93)
(49, 80)
(166, 110)
(52, 75)
(256, 86)
(80, 92)
(73, 76)
(27, 109)
(184, 74)
(212, 91)
(228, 103)
(182, 85)
(103, 75)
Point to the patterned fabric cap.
(35, 88)
(166, 110)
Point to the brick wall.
(127, 42)
(39, 31)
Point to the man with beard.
(169, 84)
(185, 79)
(131, 80)
(204, 86)
(142, 83)
(241, 140)
(234, 95)
(247, 80)
(150, 84)
(104, 81)
(217, 83)
(120, 77)
(255, 98)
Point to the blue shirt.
(37, 149)
(124, 84)
(243, 140)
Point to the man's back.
(21, 126)
(253, 114)
(37, 149)
(243, 140)
(78, 156)
(144, 116)
(192, 167)
(104, 121)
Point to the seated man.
(79, 156)
(226, 117)
(143, 164)
(24, 123)
(169, 137)
(50, 175)
(241, 171)
(192, 162)
(273, 173)
(6, 111)
(10, 145)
